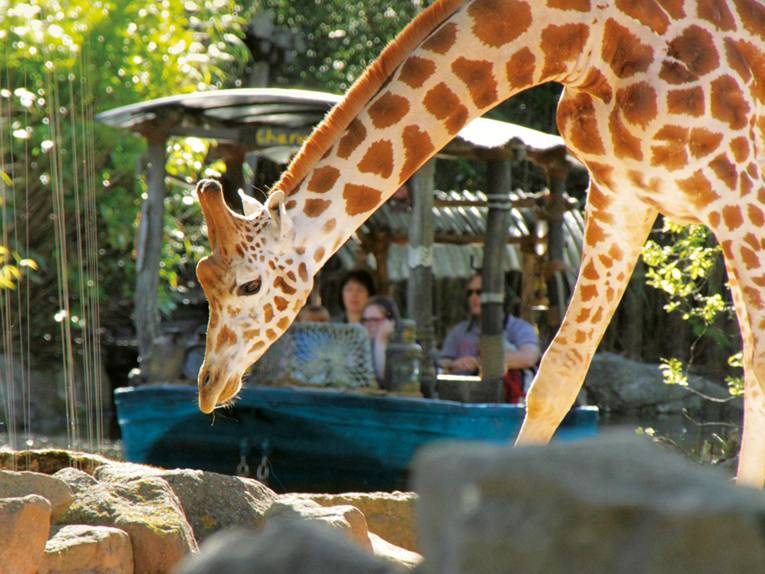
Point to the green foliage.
(64, 61)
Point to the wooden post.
(420, 282)
(233, 179)
(493, 283)
(149, 250)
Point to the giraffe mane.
(363, 90)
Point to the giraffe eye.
(249, 288)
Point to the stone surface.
(24, 528)
(80, 548)
(210, 501)
(616, 503)
(143, 506)
(390, 515)
(400, 556)
(347, 519)
(620, 385)
(284, 547)
(15, 484)
(49, 461)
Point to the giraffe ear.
(250, 205)
(281, 223)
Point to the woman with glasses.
(380, 316)
(461, 349)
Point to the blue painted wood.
(312, 440)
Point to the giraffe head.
(255, 281)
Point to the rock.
(78, 548)
(210, 501)
(620, 385)
(400, 556)
(143, 506)
(390, 515)
(347, 519)
(15, 484)
(616, 503)
(284, 547)
(24, 528)
(50, 461)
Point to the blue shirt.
(464, 338)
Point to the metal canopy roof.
(275, 122)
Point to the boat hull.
(306, 440)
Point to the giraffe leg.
(615, 230)
(750, 309)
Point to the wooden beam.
(420, 283)
(493, 283)
(149, 251)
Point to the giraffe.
(664, 102)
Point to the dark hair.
(387, 304)
(359, 276)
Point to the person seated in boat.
(313, 314)
(356, 287)
(380, 316)
(461, 349)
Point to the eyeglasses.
(470, 292)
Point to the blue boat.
(311, 440)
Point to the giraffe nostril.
(206, 380)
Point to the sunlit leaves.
(680, 264)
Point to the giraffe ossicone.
(664, 103)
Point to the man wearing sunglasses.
(460, 353)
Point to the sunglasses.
(470, 292)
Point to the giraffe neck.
(471, 58)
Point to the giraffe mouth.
(213, 394)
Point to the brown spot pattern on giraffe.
(415, 71)
(478, 76)
(499, 22)
(417, 147)
(354, 135)
(637, 103)
(695, 48)
(625, 144)
(647, 12)
(717, 13)
(703, 142)
(686, 102)
(729, 103)
(388, 110)
(753, 16)
(623, 51)
(268, 313)
(281, 284)
(315, 207)
(520, 68)
(597, 85)
(725, 170)
(698, 190)
(671, 155)
(283, 323)
(740, 148)
(442, 39)
(360, 198)
(323, 178)
(675, 8)
(378, 159)
(303, 272)
(319, 254)
(580, 5)
(225, 338)
(561, 45)
(576, 119)
(444, 104)
(732, 217)
(329, 225)
(281, 303)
